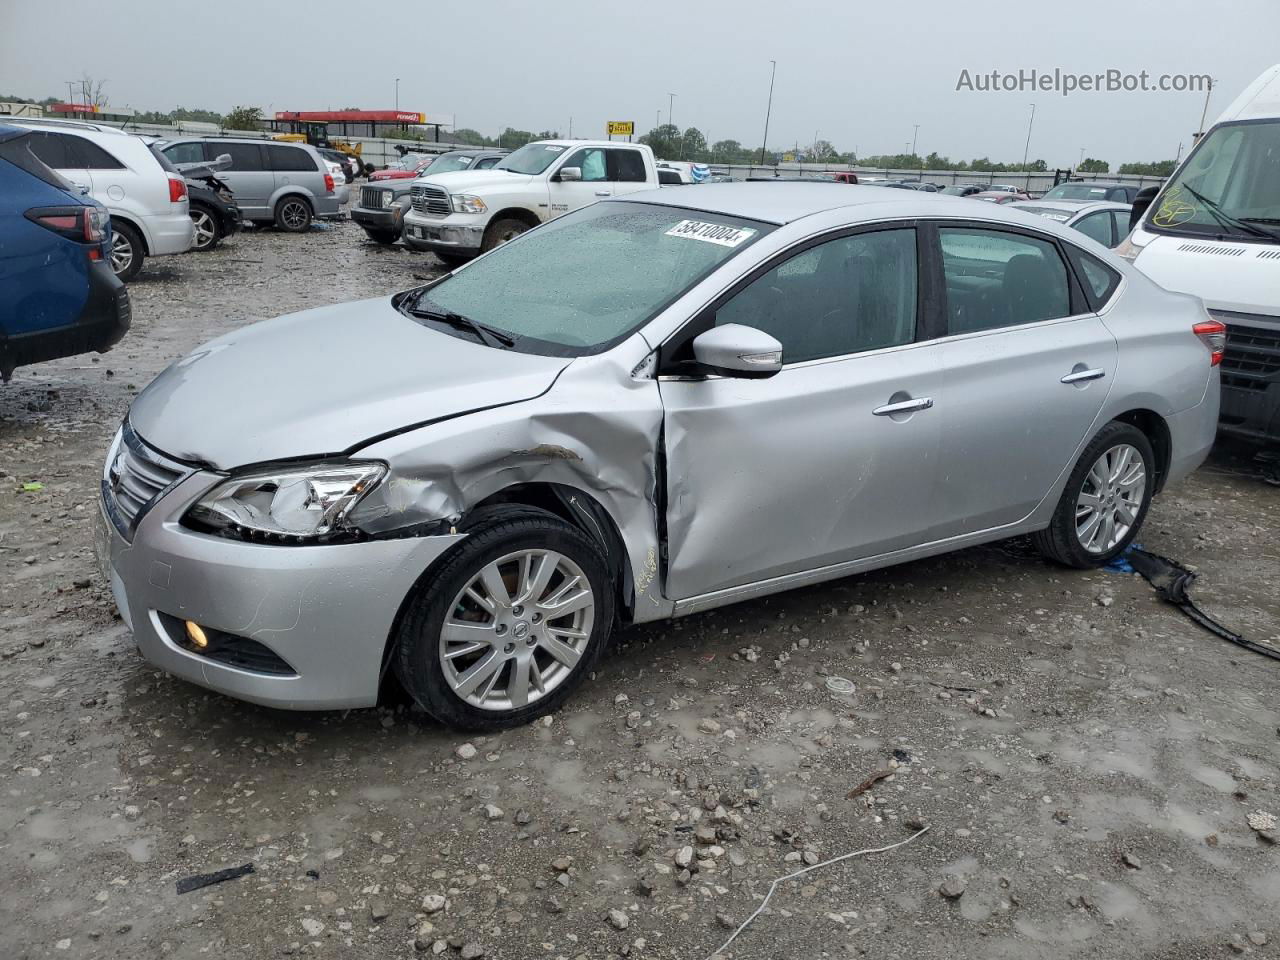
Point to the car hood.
(380, 175)
(459, 180)
(324, 382)
(1241, 277)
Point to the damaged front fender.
(596, 431)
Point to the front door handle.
(903, 406)
(603, 193)
(1079, 376)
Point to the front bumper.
(170, 233)
(327, 611)
(1251, 376)
(442, 236)
(385, 219)
(102, 322)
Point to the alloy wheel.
(204, 229)
(516, 631)
(121, 253)
(294, 215)
(1111, 498)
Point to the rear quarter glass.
(18, 152)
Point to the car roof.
(786, 201)
(58, 122)
(1093, 183)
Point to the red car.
(998, 196)
(444, 163)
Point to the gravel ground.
(1084, 757)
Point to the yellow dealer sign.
(621, 128)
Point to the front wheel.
(501, 231)
(126, 251)
(208, 233)
(293, 214)
(509, 625)
(385, 237)
(1105, 501)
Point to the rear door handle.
(1079, 376)
(903, 406)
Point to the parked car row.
(129, 198)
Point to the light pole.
(397, 94)
(1027, 149)
(1081, 158)
(671, 99)
(1205, 111)
(915, 133)
(768, 110)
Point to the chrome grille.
(430, 200)
(1251, 360)
(135, 477)
(373, 198)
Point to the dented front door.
(803, 470)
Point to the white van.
(1214, 231)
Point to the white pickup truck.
(460, 215)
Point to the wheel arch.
(136, 225)
(288, 193)
(1156, 430)
(523, 214)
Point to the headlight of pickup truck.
(289, 505)
(466, 203)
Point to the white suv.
(148, 206)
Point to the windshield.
(583, 282)
(1076, 191)
(531, 158)
(448, 162)
(1230, 181)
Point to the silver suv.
(286, 184)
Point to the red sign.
(72, 108)
(351, 116)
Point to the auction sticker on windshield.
(716, 233)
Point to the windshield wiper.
(1227, 220)
(486, 335)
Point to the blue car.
(58, 296)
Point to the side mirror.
(569, 174)
(737, 351)
(1141, 204)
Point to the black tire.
(1060, 541)
(293, 213)
(500, 231)
(417, 659)
(453, 260)
(387, 237)
(208, 229)
(127, 254)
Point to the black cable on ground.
(1171, 581)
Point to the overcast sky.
(860, 75)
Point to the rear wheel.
(126, 251)
(293, 213)
(509, 625)
(1105, 501)
(208, 230)
(383, 236)
(500, 231)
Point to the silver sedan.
(646, 408)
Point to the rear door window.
(18, 152)
(486, 163)
(290, 159)
(996, 279)
(626, 166)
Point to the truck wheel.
(387, 237)
(500, 231)
(207, 233)
(509, 624)
(126, 251)
(293, 214)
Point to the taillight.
(177, 188)
(82, 224)
(328, 183)
(1213, 334)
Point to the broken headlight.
(289, 505)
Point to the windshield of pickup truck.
(581, 283)
(531, 158)
(1230, 185)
